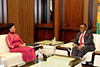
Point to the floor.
(28, 64)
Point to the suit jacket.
(88, 40)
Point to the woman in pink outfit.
(15, 44)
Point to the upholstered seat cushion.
(88, 56)
(65, 50)
(12, 58)
(3, 44)
(97, 60)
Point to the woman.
(15, 44)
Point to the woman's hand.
(22, 45)
(16, 46)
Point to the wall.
(68, 15)
(71, 14)
(21, 12)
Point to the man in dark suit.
(83, 42)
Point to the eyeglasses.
(82, 27)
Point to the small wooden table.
(49, 48)
(48, 64)
(73, 62)
(59, 61)
(49, 42)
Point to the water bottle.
(54, 40)
(69, 49)
(40, 56)
(3, 62)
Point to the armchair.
(87, 56)
(12, 59)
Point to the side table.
(48, 47)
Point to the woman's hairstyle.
(8, 26)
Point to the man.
(83, 42)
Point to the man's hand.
(79, 47)
(75, 45)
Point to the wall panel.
(94, 14)
(45, 34)
(68, 15)
(68, 36)
(72, 16)
(72, 13)
(21, 12)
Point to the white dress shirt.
(82, 38)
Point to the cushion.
(96, 40)
(97, 60)
(3, 44)
(88, 56)
(12, 58)
(61, 52)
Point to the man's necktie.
(81, 39)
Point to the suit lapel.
(79, 35)
(86, 32)
(84, 35)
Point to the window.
(0, 11)
(3, 12)
(44, 11)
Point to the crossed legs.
(79, 53)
